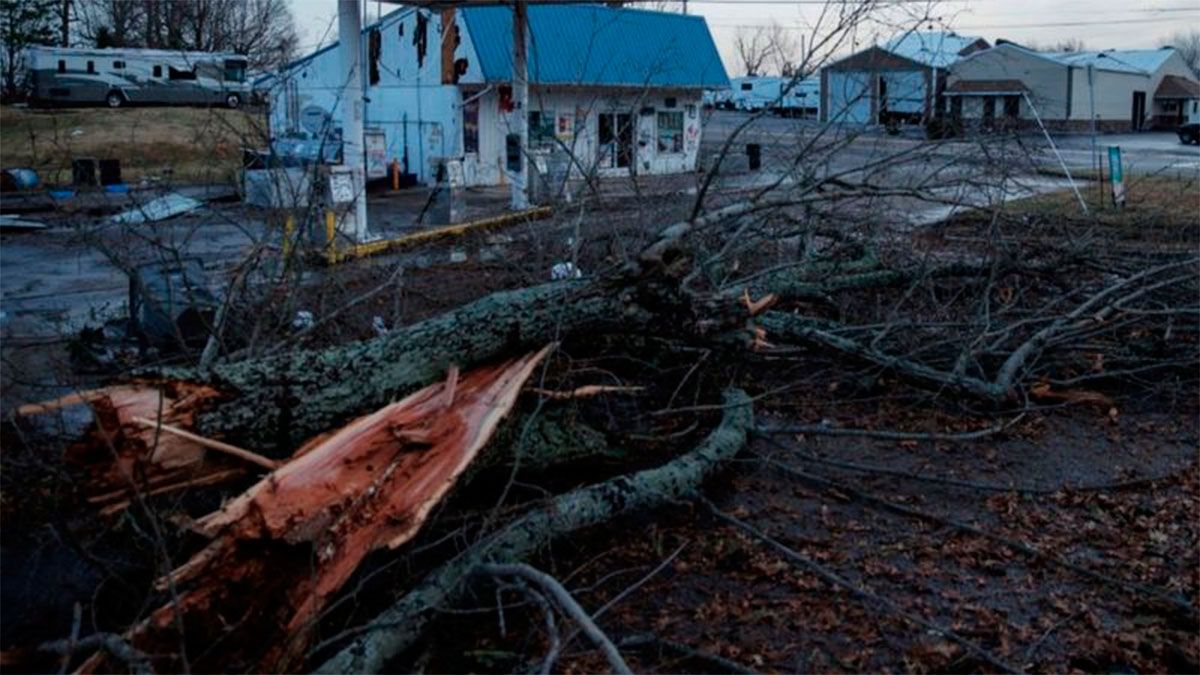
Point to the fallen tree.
(353, 469)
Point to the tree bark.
(399, 627)
(275, 403)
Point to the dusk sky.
(1100, 24)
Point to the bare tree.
(263, 30)
(23, 23)
(753, 49)
(1070, 45)
(1187, 43)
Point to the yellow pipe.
(425, 236)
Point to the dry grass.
(179, 144)
(1163, 200)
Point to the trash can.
(754, 155)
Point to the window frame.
(177, 75)
(676, 144)
(547, 120)
(157, 71)
(239, 66)
(91, 67)
(62, 66)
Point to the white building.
(1123, 90)
(613, 90)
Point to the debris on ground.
(159, 208)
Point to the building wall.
(1109, 93)
(850, 87)
(417, 112)
(1047, 81)
(420, 107)
(1113, 93)
(576, 112)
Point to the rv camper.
(117, 77)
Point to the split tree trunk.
(399, 627)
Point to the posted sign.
(1117, 176)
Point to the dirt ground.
(717, 592)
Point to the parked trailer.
(117, 77)
(774, 93)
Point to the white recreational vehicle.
(758, 92)
(116, 77)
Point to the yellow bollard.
(289, 231)
(330, 235)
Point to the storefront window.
(541, 128)
(670, 132)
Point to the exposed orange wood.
(369, 485)
(67, 401)
(213, 478)
(756, 307)
(139, 440)
(231, 450)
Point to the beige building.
(1123, 90)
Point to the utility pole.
(520, 114)
(350, 49)
(66, 23)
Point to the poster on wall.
(566, 126)
(377, 161)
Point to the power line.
(1040, 24)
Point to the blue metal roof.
(599, 45)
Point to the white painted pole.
(1061, 161)
(350, 49)
(520, 114)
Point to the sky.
(1100, 24)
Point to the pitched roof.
(1139, 61)
(1174, 86)
(987, 87)
(936, 49)
(599, 45)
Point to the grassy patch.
(1171, 201)
(178, 144)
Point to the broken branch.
(565, 602)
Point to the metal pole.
(1097, 163)
(1061, 161)
(520, 114)
(350, 49)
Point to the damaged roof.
(599, 45)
